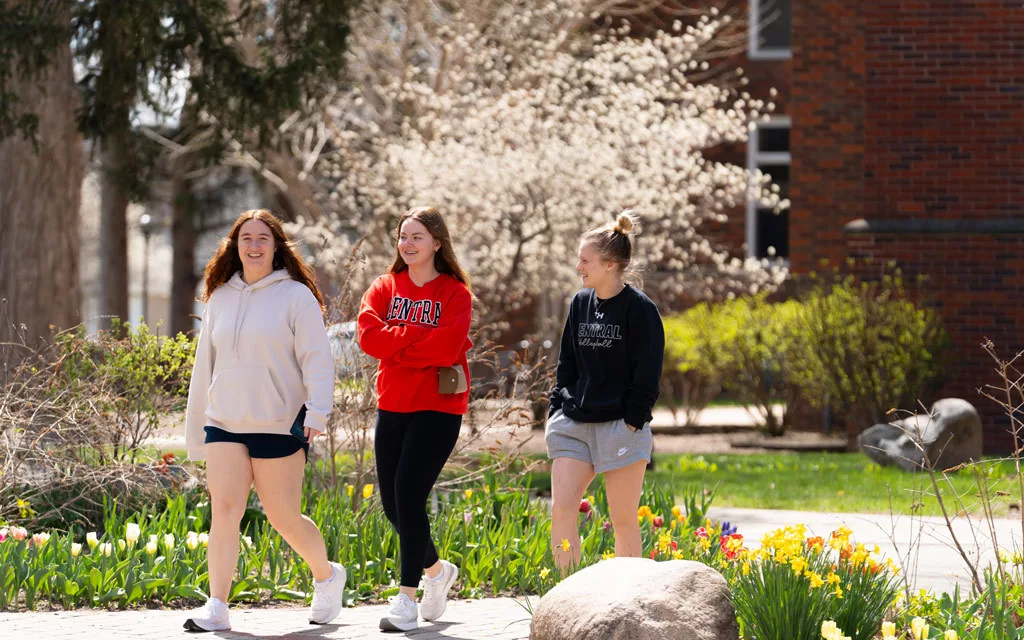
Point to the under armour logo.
(623, 451)
(599, 315)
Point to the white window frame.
(754, 50)
(755, 159)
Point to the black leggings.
(411, 450)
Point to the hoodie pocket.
(247, 395)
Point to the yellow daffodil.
(565, 544)
(544, 573)
(607, 555)
(468, 493)
(349, 490)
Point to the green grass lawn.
(832, 482)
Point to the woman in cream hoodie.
(262, 388)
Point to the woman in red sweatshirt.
(415, 319)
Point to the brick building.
(901, 138)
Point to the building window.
(768, 151)
(770, 22)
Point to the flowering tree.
(527, 123)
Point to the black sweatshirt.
(609, 364)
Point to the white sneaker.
(402, 616)
(212, 616)
(435, 591)
(328, 597)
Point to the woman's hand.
(632, 428)
(311, 433)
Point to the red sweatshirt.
(413, 331)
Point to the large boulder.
(638, 599)
(950, 433)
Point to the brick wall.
(910, 115)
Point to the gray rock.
(638, 599)
(950, 433)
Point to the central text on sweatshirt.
(414, 331)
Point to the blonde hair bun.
(625, 222)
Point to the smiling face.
(415, 244)
(256, 247)
(594, 272)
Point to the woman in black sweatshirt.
(609, 370)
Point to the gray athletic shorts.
(606, 445)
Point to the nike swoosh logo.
(623, 451)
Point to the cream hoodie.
(263, 353)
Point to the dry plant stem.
(908, 566)
(949, 522)
(1011, 407)
(986, 505)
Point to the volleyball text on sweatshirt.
(609, 364)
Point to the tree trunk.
(113, 232)
(40, 193)
(183, 247)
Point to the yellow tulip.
(468, 493)
(204, 539)
(132, 533)
(367, 491)
(919, 628)
(91, 539)
(150, 547)
(888, 629)
(349, 489)
(828, 629)
(950, 634)
(76, 549)
(106, 549)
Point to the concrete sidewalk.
(923, 547)
(493, 619)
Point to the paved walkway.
(491, 619)
(923, 545)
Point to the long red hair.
(225, 263)
(445, 260)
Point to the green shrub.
(745, 347)
(867, 348)
(859, 347)
(76, 415)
